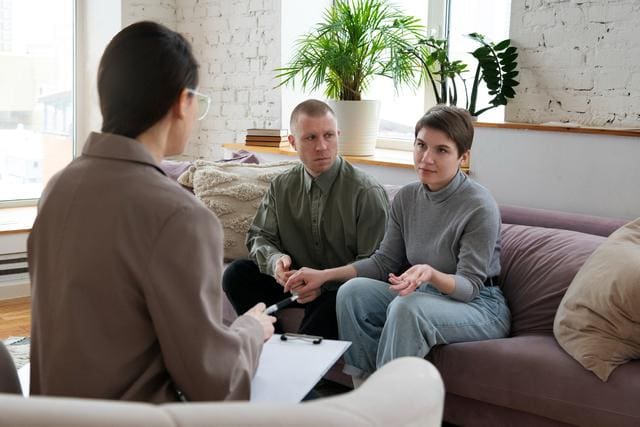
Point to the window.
(36, 94)
(399, 112)
(490, 18)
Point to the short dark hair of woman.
(143, 71)
(453, 121)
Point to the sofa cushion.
(533, 374)
(174, 168)
(233, 191)
(537, 266)
(598, 322)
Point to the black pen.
(282, 304)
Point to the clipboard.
(289, 369)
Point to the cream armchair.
(406, 392)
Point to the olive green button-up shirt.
(323, 222)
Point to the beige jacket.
(125, 270)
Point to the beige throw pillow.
(233, 191)
(598, 321)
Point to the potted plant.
(496, 67)
(357, 40)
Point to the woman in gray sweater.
(434, 278)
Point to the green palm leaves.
(359, 39)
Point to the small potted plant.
(496, 67)
(356, 41)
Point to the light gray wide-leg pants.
(383, 326)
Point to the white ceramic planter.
(358, 123)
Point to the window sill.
(382, 157)
(17, 220)
(560, 128)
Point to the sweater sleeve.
(206, 359)
(391, 256)
(477, 247)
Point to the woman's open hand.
(409, 281)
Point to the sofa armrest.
(405, 392)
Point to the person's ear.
(181, 106)
(465, 157)
(292, 142)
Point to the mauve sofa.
(527, 379)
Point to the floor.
(15, 318)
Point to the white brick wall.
(163, 11)
(579, 61)
(237, 43)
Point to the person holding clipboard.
(125, 265)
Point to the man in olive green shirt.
(321, 214)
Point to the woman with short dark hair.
(434, 278)
(125, 265)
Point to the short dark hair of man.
(142, 72)
(455, 122)
(311, 108)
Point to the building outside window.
(36, 94)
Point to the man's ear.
(292, 142)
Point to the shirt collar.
(325, 180)
(112, 146)
(445, 192)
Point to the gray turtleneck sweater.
(456, 230)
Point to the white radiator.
(13, 267)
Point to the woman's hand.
(266, 321)
(305, 283)
(409, 281)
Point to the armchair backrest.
(9, 382)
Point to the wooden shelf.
(382, 157)
(570, 129)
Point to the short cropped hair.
(311, 108)
(453, 121)
(143, 71)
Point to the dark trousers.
(245, 286)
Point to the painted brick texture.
(237, 43)
(579, 61)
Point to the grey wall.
(572, 172)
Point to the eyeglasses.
(204, 102)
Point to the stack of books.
(267, 138)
